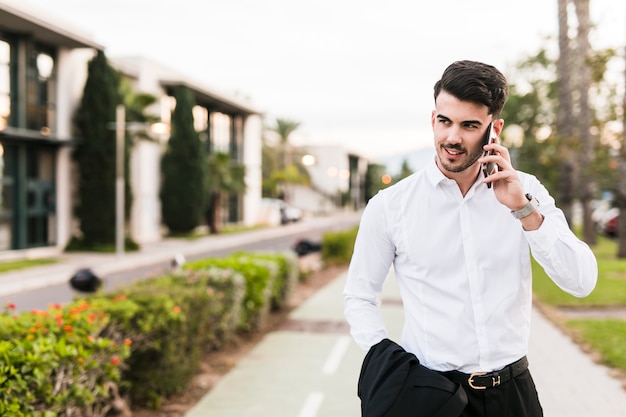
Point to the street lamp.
(120, 131)
(121, 127)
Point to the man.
(460, 246)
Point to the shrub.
(58, 362)
(337, 247)
(148, 337)
(158, 364)
(259, 276)
(288, 276)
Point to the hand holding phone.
(489, 167)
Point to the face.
(458, 128)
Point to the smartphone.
(491, 167)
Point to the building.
(43, 69)
(337, 179)
(225, 124)
(42, 72)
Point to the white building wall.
(145, 224)
(330, 172)
(71, 76)
(252, 134)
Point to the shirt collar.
(436, 177)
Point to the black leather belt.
(484, 380)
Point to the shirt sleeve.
(567, 260)
(373, 255)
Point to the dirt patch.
(216, 364)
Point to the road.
(40, 298)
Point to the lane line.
(312, 405)
(336, 355)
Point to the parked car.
(276, 211)
(291, 214)
(610, 225)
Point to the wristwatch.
(532, 205)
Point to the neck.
(464, 179)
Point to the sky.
(354, 73)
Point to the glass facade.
(39, 91)
(27, 153)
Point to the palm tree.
(565, 114)
(223, 178)
(586, 156)
(284, 128)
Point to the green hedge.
(146, 339)
(337, 247)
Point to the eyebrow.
(474, 122)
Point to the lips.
(453, 152)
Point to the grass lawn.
(26, 263)
(606, 336)
(610, 289)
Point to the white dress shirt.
(463, 269)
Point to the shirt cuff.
(545, 237)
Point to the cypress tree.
(95, 154)
(183, 169)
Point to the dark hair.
(476, 82)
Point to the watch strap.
(525, 211)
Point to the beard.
(453, 166)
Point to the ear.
(498, 125)
(432, 119)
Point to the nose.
(453, 135)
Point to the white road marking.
(336, 355)
(312, 405)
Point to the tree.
(587, 187)
(95, 154)
(284, 128)
(223, 178)
(534, 110)
(373, 180)
(565, 112)
(183, 169)
(405, 170)
(270, 164)
(620, 189)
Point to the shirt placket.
(475, 284)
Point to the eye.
(470, 125)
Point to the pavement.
(309, 367)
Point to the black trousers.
(516, 398)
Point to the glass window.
(7, 159)
(5, 83)
(40, 91)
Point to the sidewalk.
(295, 372)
